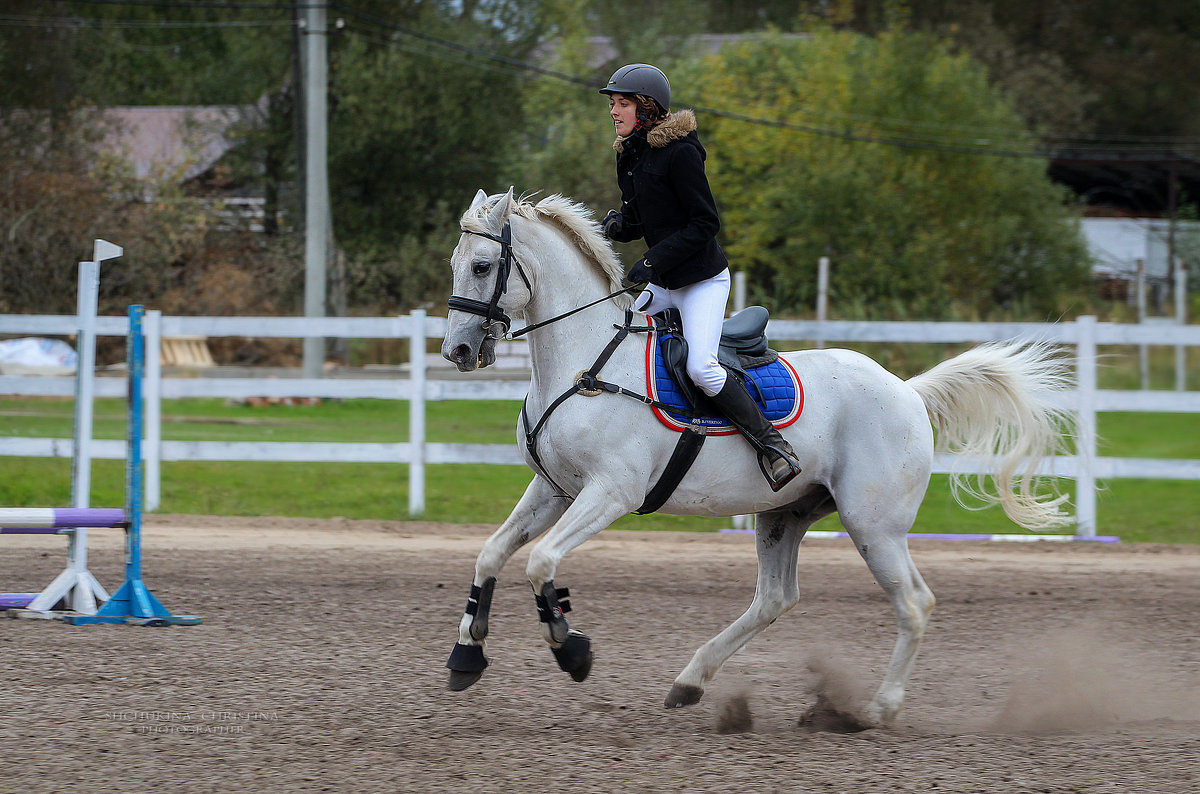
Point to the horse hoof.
(581, 672)
(575, 655)
(683, 695)
(466, 664)
(460, 680)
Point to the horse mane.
(570, 217)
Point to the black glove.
(612, 224)
(640, 273)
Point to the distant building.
(1119, 246)
(186, 145)
(172, 142)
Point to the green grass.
(1137, 510)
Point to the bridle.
(493, 316)
(491, 312)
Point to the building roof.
(1138, 180)
(175, 142)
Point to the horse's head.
(483, 296)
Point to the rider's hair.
(649, 114)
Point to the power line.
(226, 6)
(1074, 148)
(416, 49)
(462, 48)
(982, 147)
(7, 20)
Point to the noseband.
(493, 316)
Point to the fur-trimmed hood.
(675, 126)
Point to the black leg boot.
(776, 457)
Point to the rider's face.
(623, 110)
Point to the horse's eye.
(481, 268)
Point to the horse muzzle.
(467, 358)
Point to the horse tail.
(997, 401)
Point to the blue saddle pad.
(779, 393)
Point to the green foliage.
(925, 228)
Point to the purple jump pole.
(16, 600)
(76, 578)
(55, 518)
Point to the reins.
(565, 315)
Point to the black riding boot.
(776, 457)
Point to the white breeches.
(702, 308)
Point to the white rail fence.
(1085, 334)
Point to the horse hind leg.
(777, 542)
(536, 512)
(891, 564)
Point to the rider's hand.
(640, 273)
(612, 224)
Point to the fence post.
(1143, 348)
(1181, 318)
(822, 299)
(1085, 442)
(416, 413)
(152, 446)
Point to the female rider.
(665, 198)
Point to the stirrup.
(777, 481)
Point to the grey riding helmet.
(641, 78)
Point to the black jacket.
(665, 198)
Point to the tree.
(927, 229)
(416, 125)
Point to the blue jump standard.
(133, 603)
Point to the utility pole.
(316, 181)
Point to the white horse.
(864, 440)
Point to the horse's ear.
(501, 211)
(476, 202)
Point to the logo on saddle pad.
(775, 386)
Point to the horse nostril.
(461, 353)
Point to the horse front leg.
(594, 509)
(536, 512)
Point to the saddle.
(743, 347)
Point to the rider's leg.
(779, 459)
(702, 307)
